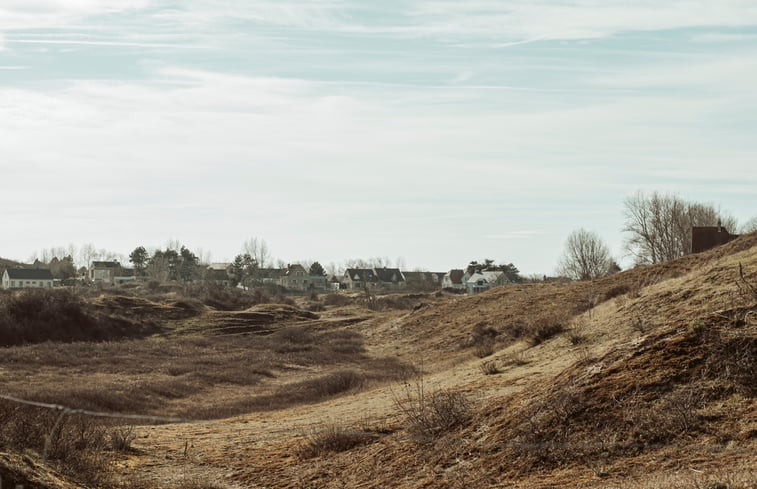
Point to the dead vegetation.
(38, 315)
(334, 439)
(183, 376)
(431, 415)
(642, 379)
(76, 446)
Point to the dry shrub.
(234, 299)
(484, 349)
(76, 445)
(516, 329)
(333, 439)
(576, 338)
(516, 358)
(616, 291)
(483, 339)
(546, 326)
(489, 368)
(574, 335)
(337, 300)
(428, 416)
(731, 358)
(39, 315)
(121, 438)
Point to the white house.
(481, 281)
(455, 279)
(25, 278)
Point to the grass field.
(643, 379)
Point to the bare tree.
(750, 226)
(173, 244)
(658, 226)
(204, 256)
(87, 253)
(158, 268)
(586, 257)
(258, 250)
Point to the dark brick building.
(705, 237)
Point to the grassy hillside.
(649, 381)
(643, 379)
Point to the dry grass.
(431, 415)
(333, 439)
(76, 445)
(39, 315)
(182, 376)
(648, 411)
(489, 368)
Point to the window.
(13, 283)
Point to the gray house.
(482, 281)
(25, 278)
(359, 278)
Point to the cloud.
(81, 42)
(24, 14)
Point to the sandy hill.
(643, 379)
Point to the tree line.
(657, 228)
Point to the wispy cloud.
(82, 42)
(401, 125)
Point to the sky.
(436, 131)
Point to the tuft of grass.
(429, 416)
(333, 439)
(483, 339)
(545, 327)
(121, 438)
(489, 368)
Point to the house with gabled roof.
(423, 281)
(485, 280)
(25, 278)
(359, 278)
(295, 277)
(455, 279)
(103, 271)
(390, 278)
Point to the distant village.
(182, 266)
(178, 265)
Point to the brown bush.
(333, 439)
(430, 415)
(546, 326)
(234, 299)
(489, 368)
(483, 339)
(74, 444)
(38, 315)
(616, 291)
(337, 300)
(121, 438)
